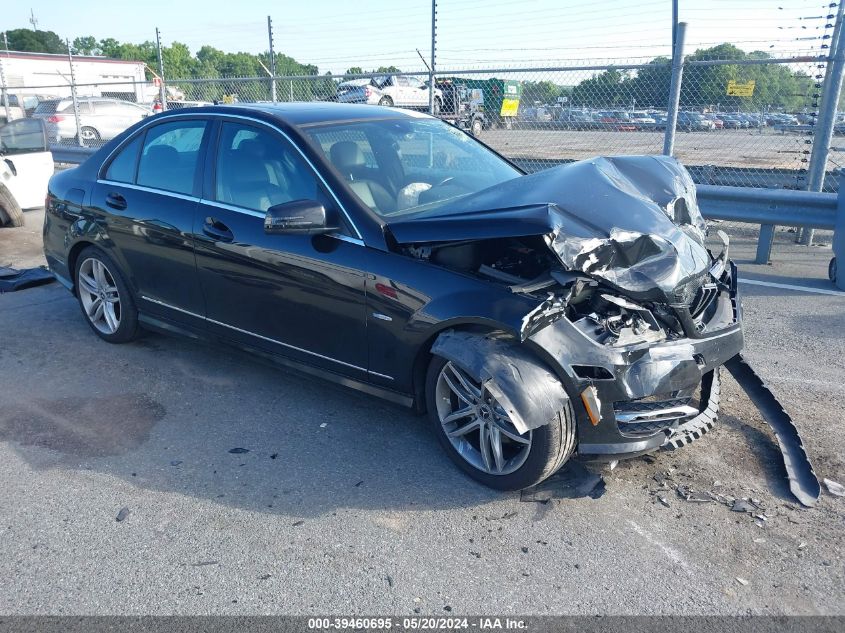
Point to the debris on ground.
(124, 512)
(742, 505)
(175, 462)
(297, 523)
(741, 581)
(12, 279)
(205, 563)
(238, 450)
(834, 488)
(663, 500)
(574, 480)
(803, 482)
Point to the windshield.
(403, 166)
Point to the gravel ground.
(764, 148)
(345, 504)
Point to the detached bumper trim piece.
(803, 482)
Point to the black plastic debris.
(742, 505)
(12, 279)
(205, 563)
(238, 450)
(572, 481)
(124, 512)
(803, 482)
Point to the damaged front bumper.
(637, 398)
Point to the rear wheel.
(479, 437)
(10, 211)
(385, 101)
(89, 134)
(105, 298)
(437, 106)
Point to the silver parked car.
(100, 119)
(389, 90)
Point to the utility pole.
(32, 20)
(162, 87)
(433, 50)
(73, 95)
(674, 23)
(3, 81)
(272, 61)
(675, 91)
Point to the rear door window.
(122, 167)
(170, 156)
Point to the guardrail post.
(839, 235)
(764, 243)
(675, 90)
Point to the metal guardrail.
(763, 206)
(777, 207)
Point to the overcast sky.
(337, 34)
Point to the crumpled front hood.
(632, 221)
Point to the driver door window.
(256, 170)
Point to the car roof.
(311, 113)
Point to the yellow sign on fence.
(509, 107)
(741, 90)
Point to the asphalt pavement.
(338, 502)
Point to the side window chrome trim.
(258, 214)
(210, 115)
(163, 192)
(232, 207)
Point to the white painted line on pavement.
(772, 284)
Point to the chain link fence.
(744, 122)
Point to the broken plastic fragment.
(834, 488)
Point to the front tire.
(476, 127)
(105, 298)
(476, 433)
(386, 101)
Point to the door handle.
(215, 229)
(116, 201)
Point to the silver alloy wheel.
(89, 134)
(99, 295)
(476, 424)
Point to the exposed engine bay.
(630, 291)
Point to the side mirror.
(304, 217)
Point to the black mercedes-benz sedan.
(582, 309)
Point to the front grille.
(641, 406)
(703, 298)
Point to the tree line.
(777, 85)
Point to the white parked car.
(389, 90)
(100, 118)
(26, 166)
